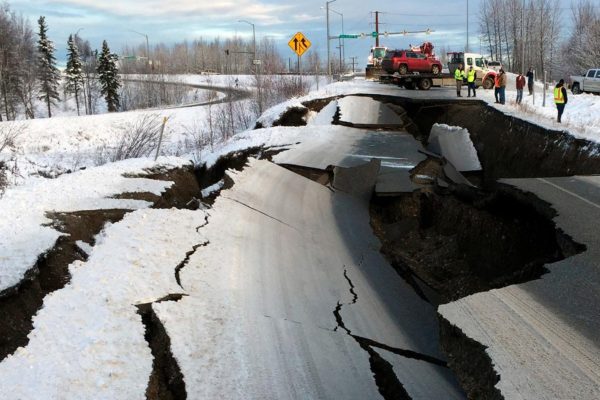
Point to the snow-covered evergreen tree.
(74, 72)
(108, 75)
(48, 74)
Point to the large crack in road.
(166, 380)
(385, 378)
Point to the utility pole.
(340, 48)
(353, 62)
(377, 28)
(328, 37)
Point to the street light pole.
(467, 48)
(147, 47)
(256, 65)
(253, 38)
(328, 47)
(342, 44)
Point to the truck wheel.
(403, 69)
(435, 69)
(488, 83)
(575, 89)
(425, 84)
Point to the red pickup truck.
(405, 61)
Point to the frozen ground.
(88, 340)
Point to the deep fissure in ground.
(449, 241)
(166, 380)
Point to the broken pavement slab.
(366, 112)
(347, 147)
(542, 336)
(274, 277)
(455, 145)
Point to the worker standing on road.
(502, 89)
(560, 98)
(497, 87)
(530, 80)
(520, 86)
(471, 82)
(459, 76)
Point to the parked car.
(406, 61)
(588, 82)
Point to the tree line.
(28, 70)
(549, 35)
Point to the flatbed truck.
(423, 81)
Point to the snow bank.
(88, 340)
(581, 118)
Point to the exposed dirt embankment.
(460, 242)
(509, 147)
(471, 364)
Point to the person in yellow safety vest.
(560, 98)
(471, 82)
(459, 76)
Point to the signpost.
(299, 44)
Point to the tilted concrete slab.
(543, 336)
(362, 111)
(340, 146)
(284, 254)
(455, 145)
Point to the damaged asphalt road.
(283, 250)
(317, 278)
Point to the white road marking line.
(569, 192)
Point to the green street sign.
(374, 34)
(349, 36)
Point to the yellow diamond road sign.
(299, 43)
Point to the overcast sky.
(176, 20)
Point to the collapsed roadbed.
(452, 240)
(446, 240)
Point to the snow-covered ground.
(88, 342)
(23, 231)
(582, 112)
(88, 334)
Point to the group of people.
(461, 76)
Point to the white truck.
(588, 82)
(485, 75)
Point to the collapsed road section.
(330, 287)
(263, 292)
(450, 239)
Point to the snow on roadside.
(60, 144)
(23, 236)
(582, 112)
(88, 341)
